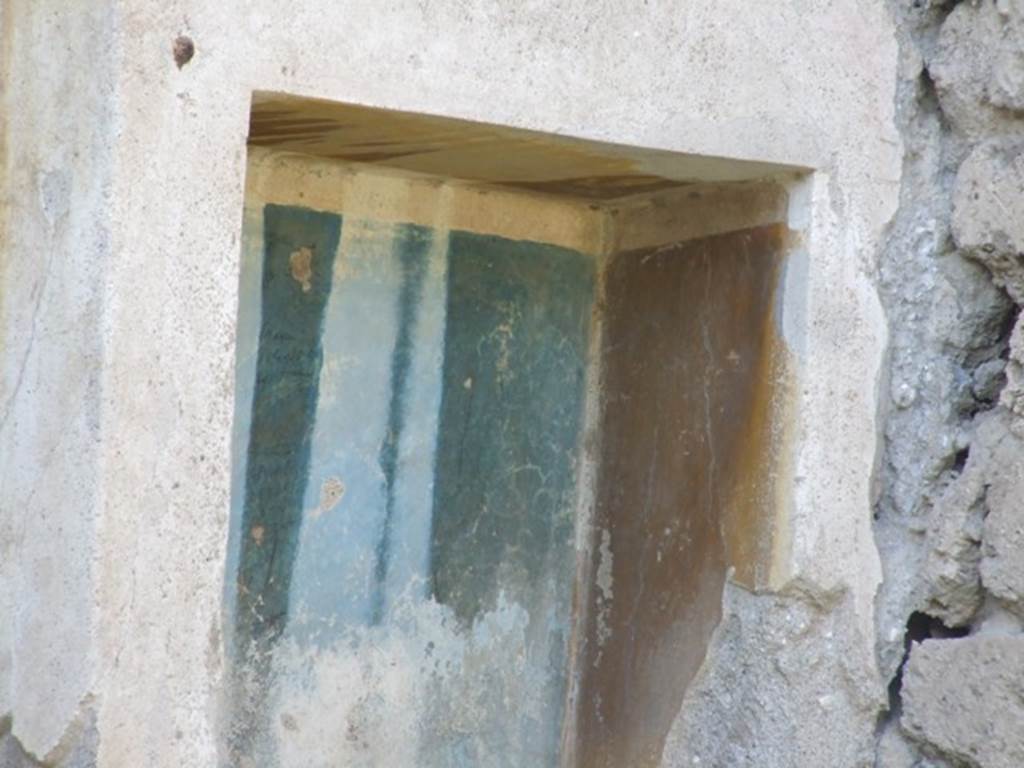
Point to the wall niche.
(510, 409)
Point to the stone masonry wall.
(948, 520)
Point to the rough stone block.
(954, 536)
(1002, 564)
(894, 751)
(978, 68)
(988, 211)
(976, 536)
(1012, 396)
(964, 698)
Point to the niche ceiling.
(480, 152)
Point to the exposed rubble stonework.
(949, 521)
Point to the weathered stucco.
(123, 198)
(57, 240)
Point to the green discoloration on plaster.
(300, 247)
(511, 411)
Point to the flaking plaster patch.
(603, 579)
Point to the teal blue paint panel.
(300, 247)
(516, 340)
(512, 404)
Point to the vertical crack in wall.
(947, 522)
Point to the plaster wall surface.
(129, 478)
(56, 174)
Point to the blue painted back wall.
(413, 438)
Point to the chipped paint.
(300, 261)
(332, 491)
(605, 585)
